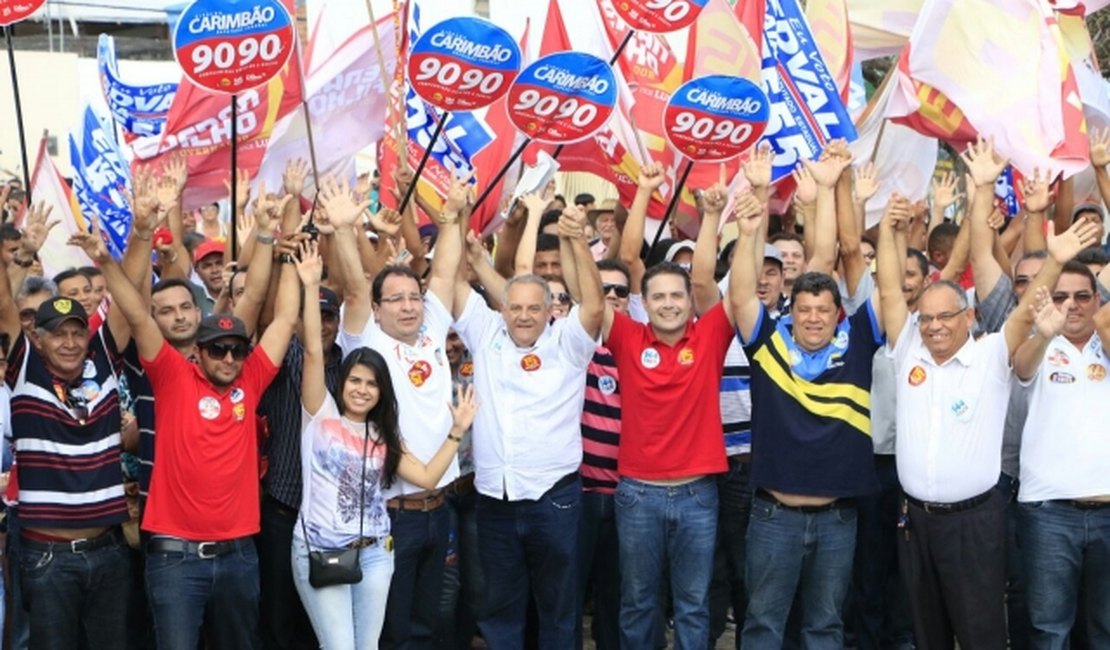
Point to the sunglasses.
(1080, 297)
(619, 289)
(27, 315)
(239, 351)
(561, 298)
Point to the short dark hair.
(665, 268)
(870, 242)
(919, 257)
(393, 269)
(943, 237)
(546, 243)
(585, 198)
(191, 240)
(1075, 267)
(549, 217)
(815, 283)
(616, 265)
(90, 272)
(68, 274)
(8, 232)
(657, 254)
(786, 235)
(170, 283)
(1093, 255)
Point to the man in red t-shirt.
(203, 505)
(671, 444)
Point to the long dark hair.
(384, 413)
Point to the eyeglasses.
(561, 298)
(1080, 297)
(620, 289)
(27, 315)
(402, 297)
(944, 317)
(239, 351)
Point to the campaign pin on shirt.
(606, 384)
(715, 118)
(917, 376)
(467, 369)
(419, 373)
(239, 411)
(209, 407)
(961, 410)
(563, 97)
(1096, 372)
(463, 63)
(530, 362)
(237, 395)
(233, 45)
(649, 358)
(685, 356)
(1058, 357)
(1059, 377)
(88, 371)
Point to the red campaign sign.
(659, 16)
(229, 46)
(462, 64)
(714, 118)
(13, 11)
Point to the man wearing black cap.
(203, 507)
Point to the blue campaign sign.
(563, 97)
(101, 179)
(806, 110)
(233, 45)
(142, 110)
(465, 63)
(715, 118)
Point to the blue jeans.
(222, 593)
(1063, 546)
(346, 617)
(796, 552)
(598, 558)
(470, 605)
(665, 528)
(420, 550)
(77, 599)
(530, 547)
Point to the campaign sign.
(233, 45)
(715, 118)
(13, 11)
(461, 64)
(563, 97)
(659, 16)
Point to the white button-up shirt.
(1065, 452)
(527, 432)
(950, 416)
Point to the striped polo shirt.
(601, 424)
(68, 469)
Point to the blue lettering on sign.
(806, 110)
(205, 19)
(471, 40)
(142, 110)
(101, 180)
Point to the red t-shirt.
(205, 484)
(670, 398)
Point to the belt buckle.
(204, 554)
(934, 508)
(79, 545)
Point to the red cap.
(206, 248)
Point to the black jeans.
(734, 494)
(284, 623)
(420, 550)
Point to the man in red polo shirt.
(666, 499)
(203, 505)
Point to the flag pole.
(18, 114)
(423, 161)
(394, 113)
(234, 235)
(674, 201)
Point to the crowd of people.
(360, 432)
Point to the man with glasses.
(409, 328)
(952, 393)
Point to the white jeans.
(346, 617)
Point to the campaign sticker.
(649, 358)
(467, 369)
(1062, 378)
(563, 97)
(606, 384)
(233, 45)
(88, 370)
(13, 11)
(961, 410)
(209, 408)
(463, 63)
(917, 376)
(659, 16)
(237, 395)
(1058, 357)
(686, 356)
(239, 411)
(1096, 372)
(530, 363)
(715, 118)
(419, 373)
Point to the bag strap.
(361, 495)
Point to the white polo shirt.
(528, 430)
(950, 416)
(422, 381)
(1065, 452)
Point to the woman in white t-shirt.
(348, 443)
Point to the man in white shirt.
(409, 329)
(528, 443)
(952, 393)
(1065, 488)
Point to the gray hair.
(528, 278)
(36, 284)
(961, 295)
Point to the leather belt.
(1080, 504)
(838, 504)
(421, 503)
(463, 486)
(950, 508)
(203, 550)
(110, 538)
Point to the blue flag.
(141, 110)
(101, 179)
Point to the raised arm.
(174, 257)
(826, 171)
(747, 258)
(267, 211)
(508, 239)
(410, 232)
(1036, 197)
(1100, 158)
(343, 212)
(851, 206)
(1049, 320)
(488, 277)
(889, 256)
(287, 306)
(445, 264)
(805, 203)
(945, 193)
(310, 268)
(592, 309)
(526, 247)
(36, 227)
(983, 169)
(427, 475)
(1102, 326)
(706, 293)
(632, 235)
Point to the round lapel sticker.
(606, 384)
(530, 363)
(917, 376)
(686, 356)
(649, 358)
(419, 373)
(209, 408)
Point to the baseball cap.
(678, 247)
(56, 311)
(206, 248)
(218, 326)
(1088, 207)
(329, 302)
(772, 252)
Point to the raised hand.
(458, 195)
(534, 202)
(806, 194)
(268, 208)
(749, 212)
(339, 201)
(464, 408)
(1067, 245)
(475, 251)
(242, 189)
(1100, 147)
(983, 164)
(651, 177)
(310, 266)
(387, 222)
(898, 213)
(713, 200)
(36, 228)
(1047, 317)
(403, 177)
(91, 242)
(996, 219)
(292, 179)
(1035, 191)
(866, 183)
(946, 191)
(167, 193)
(572, 223)
(177, 171)
(757, 169)
(826, 170)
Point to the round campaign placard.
(13, 11)
(659, 16)
(563, 97)
(233, 45)
(464, 63)
(715, 118)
